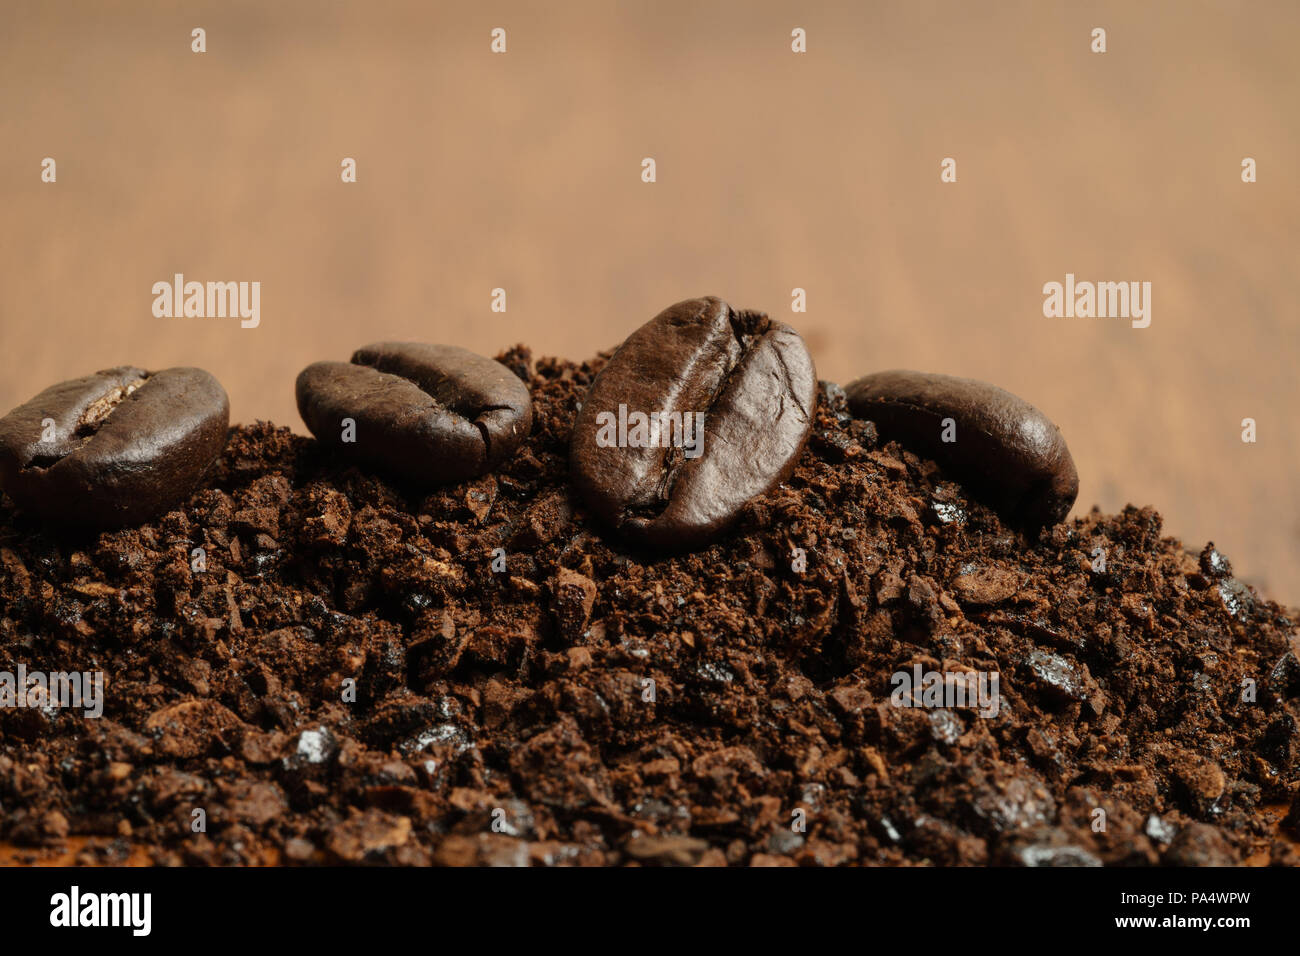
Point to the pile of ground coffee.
(363, 673)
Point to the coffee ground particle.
(522, 698)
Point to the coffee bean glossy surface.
(428, 413)
(1005, 449)
(116, 447)
(751, 381)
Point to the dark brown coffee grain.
(428, 414)
(748, 380)
(123, 445)
(526, 691)
(995, 443)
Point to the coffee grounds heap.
(590, 705)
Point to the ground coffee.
(368, 673)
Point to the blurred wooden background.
(775, 171)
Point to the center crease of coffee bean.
(89, 423)
(477, 422)
(97, 412)
(746, 326)
(473, 414)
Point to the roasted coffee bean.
(113, 448)
(428, 413)
(1003, 448)
(701, 409)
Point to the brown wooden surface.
(775, 171)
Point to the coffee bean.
(428, 413)
(113, 448)
(750, 378)
(1003, 448)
